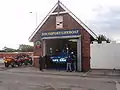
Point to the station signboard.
(60, 33)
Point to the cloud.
(107, 22)
(17, 24)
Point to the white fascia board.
(66, 11)
(84, 26)
(44, 20)
(79, 21)
(55, 13)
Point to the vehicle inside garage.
(58, 49)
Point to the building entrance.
(58, 51)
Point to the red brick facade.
(68, 24)
(85, 50)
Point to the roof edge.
(70, 13)
(42, 22)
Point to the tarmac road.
(11, 79)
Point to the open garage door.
(56, 49)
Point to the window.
(59, 22)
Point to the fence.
(105, 55)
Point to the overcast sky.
(17, 24)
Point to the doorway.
(55, 48)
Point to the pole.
(36, 19)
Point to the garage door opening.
(58, 50)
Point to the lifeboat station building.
(61, 29)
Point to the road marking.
(117, 85)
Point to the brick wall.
(9, 54)
(68, 24)
(37, 53)
(85, 50)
